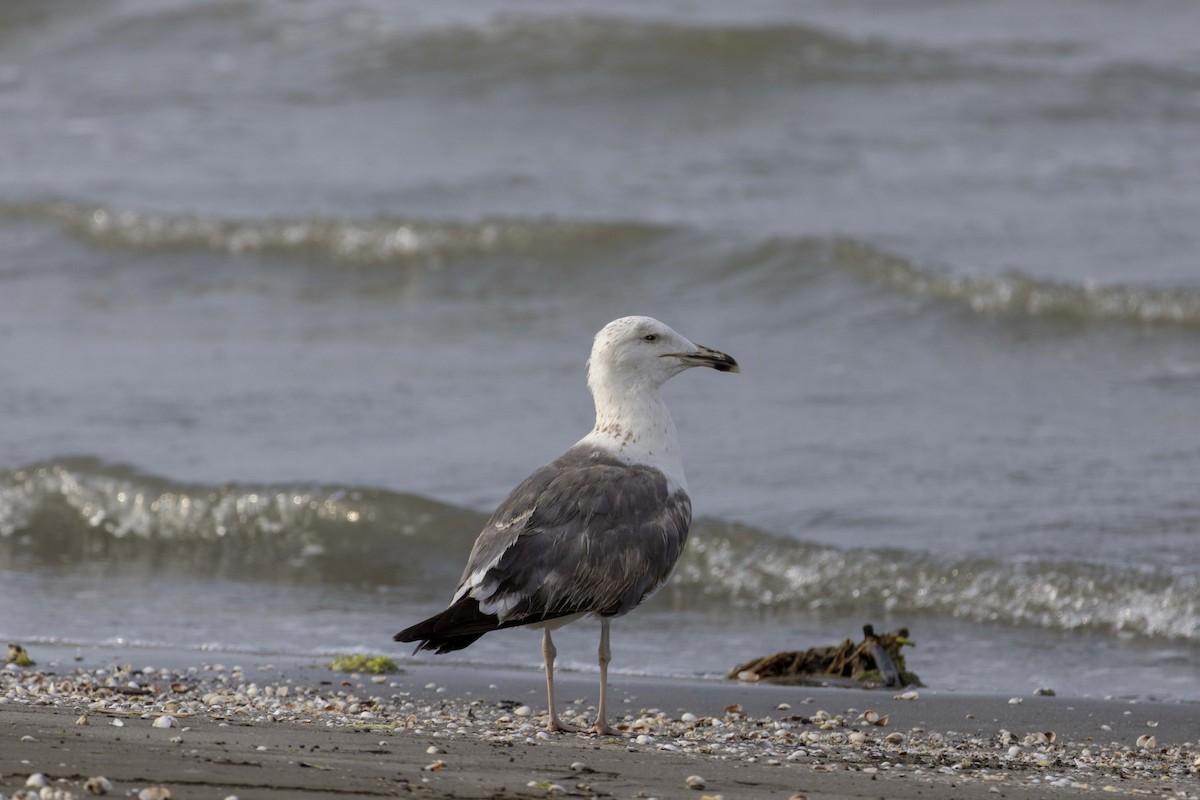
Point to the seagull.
(596, 531)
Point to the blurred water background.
(292, 293)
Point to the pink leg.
(602, 727)
(549, 653)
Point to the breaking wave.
(650, 52)
(772, 267)
(81, 516)
(365, 242)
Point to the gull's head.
(644, 351)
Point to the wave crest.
(364, 242)
(80, 515)
(1014, 293)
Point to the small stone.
(694, 782)
(1044, 691)
(98, 785)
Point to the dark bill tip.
(707, 357)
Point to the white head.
(631, 359)
(642, 353)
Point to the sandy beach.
(209, 725)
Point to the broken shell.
(82, 720)
(909, 695)
(436, 766)
(874, 717)
(98, 785)
(154, 793)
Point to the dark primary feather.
(601, 537)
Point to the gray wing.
(585, 534)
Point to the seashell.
(857, 737)
(895, 737)
(116, 723)
(165, 721)
(434, 750)
(687, 716)
(694, 782)
(154, 793)
(911, 694)
(1146, 741)
(82, 720)
(98, 785)
(748, 676)
(522, 711)
(37, 780)
(1015, 701)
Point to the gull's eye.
(650, 337)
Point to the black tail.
(453, 629)
(461, 624)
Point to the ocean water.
(291, 294)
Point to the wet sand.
(241, 726)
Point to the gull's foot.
(602, 728)
(556, 725)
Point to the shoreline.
(285, 727)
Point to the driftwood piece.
(875, 661)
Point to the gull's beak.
(707, 357)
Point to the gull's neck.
(633, 425)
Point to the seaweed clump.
(875, 661)
(375, 665)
